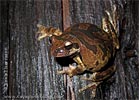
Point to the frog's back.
(90, 30)
(96, 47)
(90, 34)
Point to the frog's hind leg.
(93, 86)
(97, 78)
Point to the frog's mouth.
(68, 55)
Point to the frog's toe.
(92, 86)
(68, 71)
(85, 78)
(61, 72)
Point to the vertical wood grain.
(32, 71)
(66, 23)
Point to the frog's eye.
(67, 43)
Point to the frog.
(89, 46)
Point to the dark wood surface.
(29, 72)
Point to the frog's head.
(64, 46)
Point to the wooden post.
(66, 24)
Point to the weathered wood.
(4, 47)
(32, 72)
(66, 23)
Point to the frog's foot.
(47, 32)
(93, 86)
(113, 17)
(110, 25)
(68, 71)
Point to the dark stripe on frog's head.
(68, 36)
(65, 37)
(60, 38)
(81, 38)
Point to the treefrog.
(91, 48)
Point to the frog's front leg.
(74, 70)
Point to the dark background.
(27, 70)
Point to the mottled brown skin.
(96, 46)
(89, 46)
